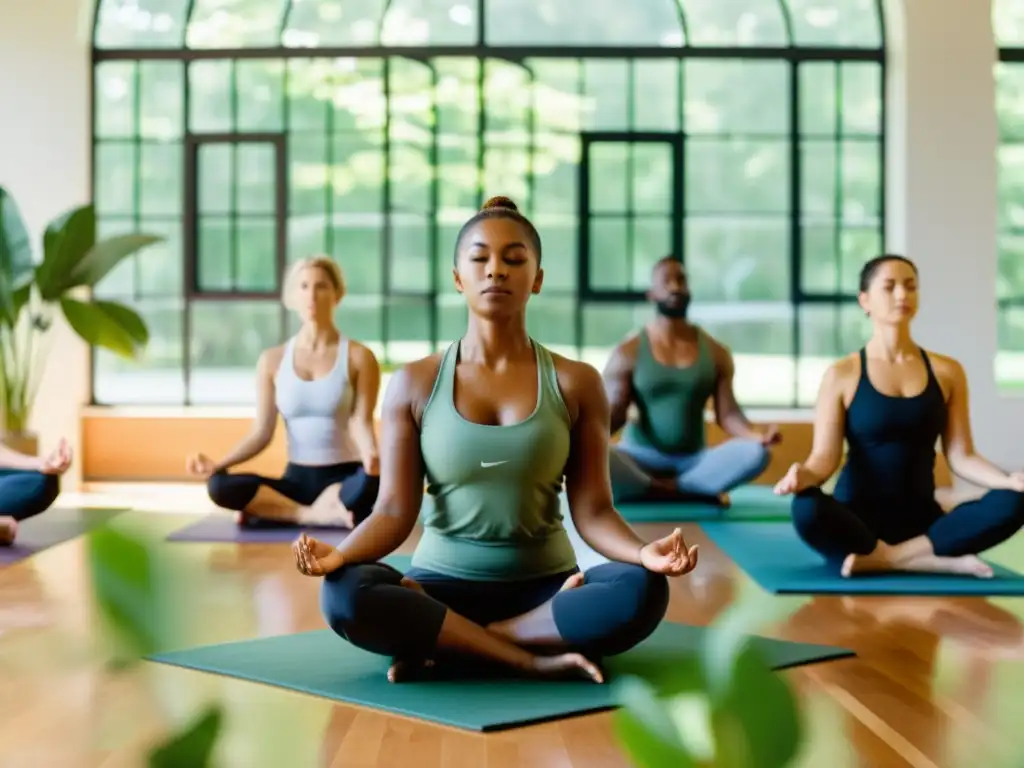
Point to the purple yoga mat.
(222, 527)
(55, 526)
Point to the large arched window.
(1008, 23)
(744, 136)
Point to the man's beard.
(674, 307)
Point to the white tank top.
(316, 413)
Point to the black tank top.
(891, 442)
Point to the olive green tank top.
(493, 512)
(670, 400)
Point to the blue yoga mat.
(774, 556)
(322, 664)
(748, 503)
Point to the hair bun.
(500, 201)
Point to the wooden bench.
(121, 446)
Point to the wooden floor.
(936, 682)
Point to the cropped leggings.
(836, 530)
(301, 483)
(708, 472)
(25, 493)
(617, 607)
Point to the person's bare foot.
(404, 670)
(885, 559)
(329, 508)
(567, 665)
(505, 629)
(576, 580)
(969, 565)
(8, 531)
(415, 586)
(562, 666)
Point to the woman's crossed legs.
(549, 625)
(340, 495)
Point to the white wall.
(44, 162)
(941, 196)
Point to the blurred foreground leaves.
(726, 708)
(141, 587)
(193, 745)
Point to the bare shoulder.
(360, 356)
(580, 383)
(575, 373)
(411, 385)
(270, 360)
(719, 349)
(623, 357)
(946, 367)
(712, 340)
(629, 345)
(841, 375)
(845, 367)
(949, 372)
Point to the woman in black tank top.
(892, 403)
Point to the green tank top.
(670, 400)
(493, 512)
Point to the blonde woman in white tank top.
(324, 387)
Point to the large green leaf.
(645, 728)
(731, 634)
(15, 257)
(15, 247)
(8, 316)
(107, 324)
(193, 746)
(138, 585)
(13, 299)
(756, 722)
(65, 243)
(106, 255)
(139, 588)
(21, 296)
(126, 593)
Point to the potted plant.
(32, 292)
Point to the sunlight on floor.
(146, 497)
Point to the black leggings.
(302, 484)
(617, 607)
(836, 530)
(24, 493)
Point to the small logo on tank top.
(492, 463)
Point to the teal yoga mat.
(761, 496)
(774, 556)
(749, 503)
(322, 664)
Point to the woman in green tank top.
(494, 425)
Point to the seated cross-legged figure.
(893, 402)
(669, 370)
(28, 486)
(324, 387)
(495, 424)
